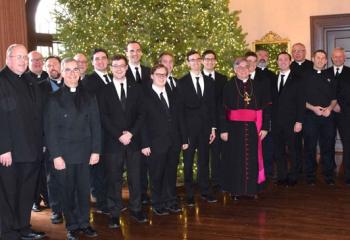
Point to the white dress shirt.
(286, 74)
(133, 70)
(101, 75)
(117, 85)
(201, 81)
(159, 90)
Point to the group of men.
(148, 117)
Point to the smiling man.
(20, 145)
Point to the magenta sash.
(248, 115)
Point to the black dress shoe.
(190, 201)
(73, 235)
(56, 218)
(114, 222)
(292, 182)
(330, 182)
(174, 208)
(139, 216)
(33, 235)
(89, 232)
(36, 207)
(209, 198)
(160, 211)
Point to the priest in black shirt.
(318, 122)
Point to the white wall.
(288, 18)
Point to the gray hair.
(67, 60)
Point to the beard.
(54, 75)
(262, 63)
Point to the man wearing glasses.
(36, 64)
(20, 145)
(198, 95)
(82, 65)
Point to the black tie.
(106, 78)
(337, 72)
(165, 104)
(281, 83)
(122, 96)
(138, 76)
(172, 85)
(210, 75)
(199, 90)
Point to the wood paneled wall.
(13, 27)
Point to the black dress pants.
(215, 162)
(114, 166)
(201, 143)
(74, 190)
(17, 187)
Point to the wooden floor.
(319, 212)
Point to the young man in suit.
(99, 78)
(20, 145)
(163, 136)
(140, 74)
(320, 96)
(288, 108)
(122, 116)
(198, 95)
(136, 71)
(209, 64)
(341, 74)
(95, 83)
(167, 59)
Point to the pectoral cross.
(247, 98)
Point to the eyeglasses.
(100, 58)
(74, 70)
(36, 60)
(195, 60)
(160, 75)
(209, 59)
(118, 66)
(20, 57)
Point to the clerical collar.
(299, 63)
(318, 70)
(73, 89)
(58, 81)
(244, 80)
(13, 74)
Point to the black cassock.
(240, 152)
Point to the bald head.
(17, 58)
(36, 62)
(338, 57)
(82, 63)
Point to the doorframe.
(320, 24)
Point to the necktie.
(106, 78)
(138, 76)
(211, 76)
(165, 104)
(122, 96)
(199, 90)
(172, 85)
(281, 83)
(337, 72)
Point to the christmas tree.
(159, 25)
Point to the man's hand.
(94, 158)
(318, 110)
(6, 159)
(212, 136)
(184, 146)
(125, 139)
(298, 127)
(263, 134)
(146, 151)
(59, 163)
(224, 136)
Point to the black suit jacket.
(71, 133)
(162, 128)
(200, 113)
(343, 89)
(93, 83)
(20, 117)
(288, 107)
(145, 75)
(115, 120)
(219, 83)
